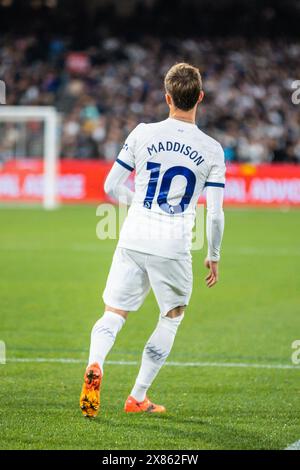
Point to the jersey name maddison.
(173, 161)
(169, 146)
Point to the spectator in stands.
(104, 92)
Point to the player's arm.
(215, 217)
(214, 232)
(114, 184)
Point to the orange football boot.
(90, 393)
(134, 406)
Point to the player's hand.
(213, 275)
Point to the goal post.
(48, 115)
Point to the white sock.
(103, 336)
(155, 354)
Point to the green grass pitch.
(53, 271)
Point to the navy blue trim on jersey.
(129, 168)
(215, 185)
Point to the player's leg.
(127, 285)
(104, 334)
(155, 354)
(171, 281)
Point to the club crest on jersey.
(170, 146)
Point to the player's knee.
(175, 312)
(123, 313)
(172, 320)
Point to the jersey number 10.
(162, 198)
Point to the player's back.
(173, 161)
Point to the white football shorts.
(133, 273)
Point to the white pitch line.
(294, 446)
(171, 363)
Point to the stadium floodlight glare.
(48, 114)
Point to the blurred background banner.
(83, 181)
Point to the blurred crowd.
(103, 92)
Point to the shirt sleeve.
(214, 222)
(215, 184)
(126, 157)
(115, 185)
(216, 177)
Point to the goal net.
(28, 138)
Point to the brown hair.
(183, 82)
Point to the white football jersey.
(173, 162)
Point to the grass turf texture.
(53, 270)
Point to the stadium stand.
(105, 84)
